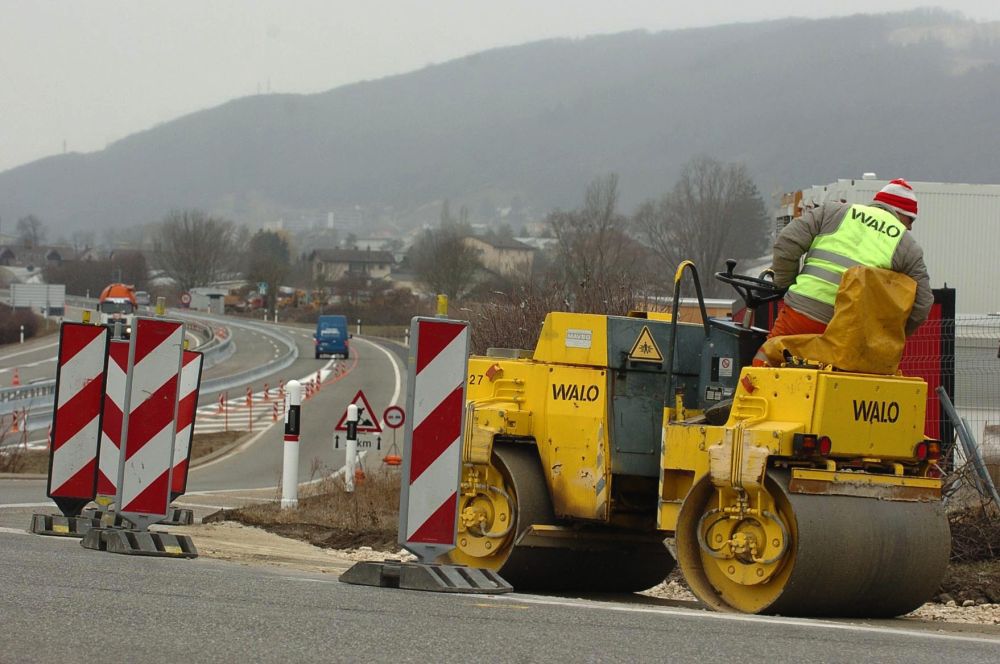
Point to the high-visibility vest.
(866, 236)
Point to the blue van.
(331, 336)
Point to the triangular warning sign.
(367, 419)
(645, 349)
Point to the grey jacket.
(796, 239)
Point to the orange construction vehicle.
(117, 307)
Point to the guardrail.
(39, 395)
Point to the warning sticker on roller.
(645, 348)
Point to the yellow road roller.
(620, 445)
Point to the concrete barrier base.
(420, 576)
(139, 543)
(57, 525)
(176, 516)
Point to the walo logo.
(876, 411)
(565, 392)
(871, 222)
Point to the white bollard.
(290, 462)
(352, 447)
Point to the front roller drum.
(496, 532)
(810, 555)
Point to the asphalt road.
(377, 370)
(61, 602)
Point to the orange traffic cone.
(359, 474)
(267, 390)
(16, 380)
(15, 427)
(222, 405)
(274, 413)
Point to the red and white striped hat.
(899, 195)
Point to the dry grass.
(328, 516)
(19, 460)
(204, 444)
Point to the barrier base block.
(107, 518)
(57, 525)
(178, 516)
(139, 543)
(430, 577)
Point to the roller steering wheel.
(753, 290)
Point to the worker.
(835, 236)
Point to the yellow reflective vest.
(866, 236)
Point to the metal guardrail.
(39, 395)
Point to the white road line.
(737, 617)
(14, 531)
(31, 350)
(16, 505)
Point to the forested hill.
(800, 102)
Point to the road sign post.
(352, 447)
(432, 465)
(290, 457)
(81, 372)
(432, 444)
(150, 416)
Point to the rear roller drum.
(494, 532)
(774, 551)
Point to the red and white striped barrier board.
(187, 405)
(111, 421)
(432, 448)
(76, 421)
(149, 424)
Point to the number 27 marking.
(475, 379)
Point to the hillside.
(799, 101)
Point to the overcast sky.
(89, 72)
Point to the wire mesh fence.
(962, 353)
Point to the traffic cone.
(267, 388)
(319, 380)
(249, 396)
(359, 474)
(16, 380)
(281, 389)
(222, 405)
(16, 426)
(274, 412)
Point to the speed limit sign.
(185, 299)
(394, 417)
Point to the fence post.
(290, 461)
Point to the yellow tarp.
(867, 332)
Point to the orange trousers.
(788, 322)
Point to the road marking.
(738, 617)
(14, 531)
(14, 505)
(30, 350)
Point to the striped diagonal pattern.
(111, 422)
(435, 453)
(187, 404)
(148, 430)
(76, 420)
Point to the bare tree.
(269, 262)
(444, 262)
(31, 231)
(714, 212)
(194, 249)
(594, 252)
